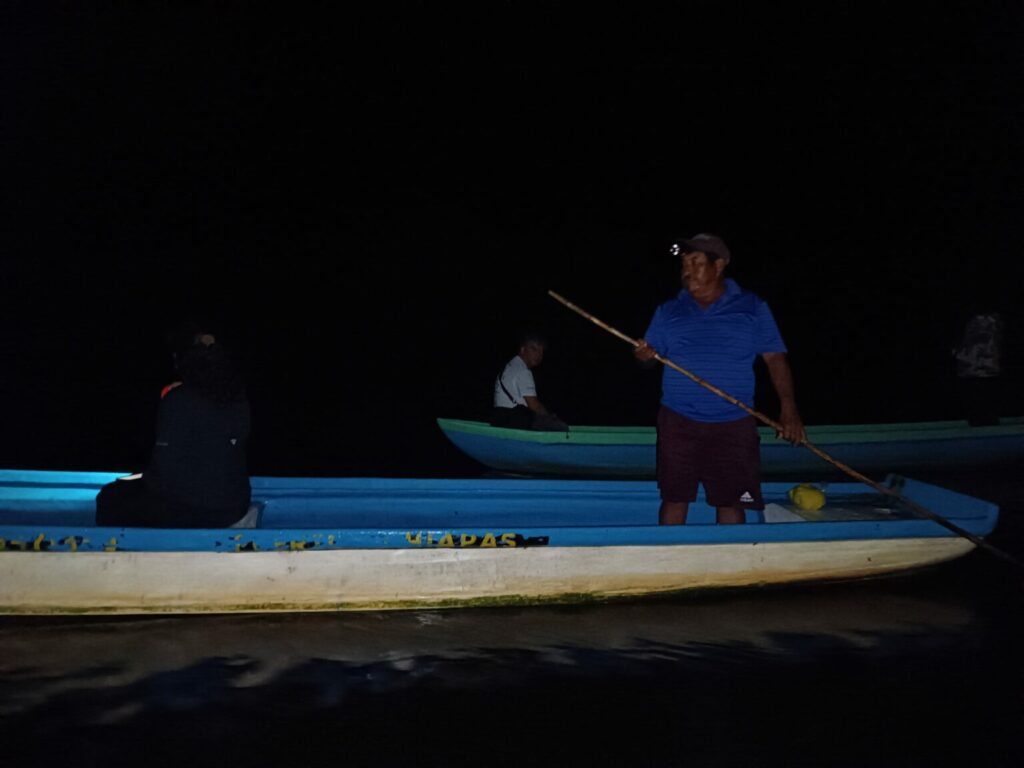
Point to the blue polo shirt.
(719, 344)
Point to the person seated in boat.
(197, 475)
(714, 329)
(978, 356)
(516, 404)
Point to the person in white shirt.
(516, 404)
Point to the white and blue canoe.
(317, 544)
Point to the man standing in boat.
(516, 404)
(714, 329)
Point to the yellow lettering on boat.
(73, 542)
(111, 546)
(467, 540)
(294, 546)
(489, 540)
(37, 545)
(414, 540)
(508, 539)
(3, 544)
(330, 540)
(430, 540)
(446, 541)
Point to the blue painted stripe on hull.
(58, 539)
(511, 455)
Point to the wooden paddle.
(909, 503)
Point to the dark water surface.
(923, 669)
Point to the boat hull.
(330, 580)
(629, 452)
(370, 543)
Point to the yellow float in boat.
(807, 497)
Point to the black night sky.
(369, 203)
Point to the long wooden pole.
(911, 504)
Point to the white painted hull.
(352, 579)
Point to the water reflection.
(846, 674)
(43, 659)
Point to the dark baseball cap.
(712, 245)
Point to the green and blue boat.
(628, 452)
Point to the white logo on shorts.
(746, 496)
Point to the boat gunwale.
(974, 514)
(825, 434)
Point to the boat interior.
(369, 503)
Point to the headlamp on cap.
(711, 245)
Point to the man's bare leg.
(673, 513)
(730, 515)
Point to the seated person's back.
(199, 458)
(197, 476)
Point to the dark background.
(369, 203)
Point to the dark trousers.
(132, 503)
(981, 399)
(519, 417)
(522, 417)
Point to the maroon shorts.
(724, 456)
